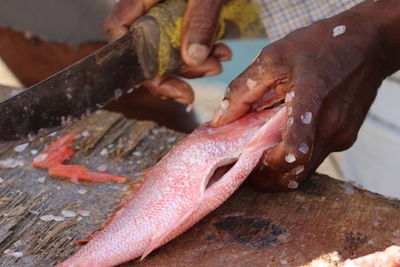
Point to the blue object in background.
(243, 55)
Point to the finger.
(210, 67)
(249, 87)
(268, 180)
(222, 52)
(199, 29)
(170, 87)
(122, 16)
(290, 160)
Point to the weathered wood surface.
(323, 219)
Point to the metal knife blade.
(71, 93)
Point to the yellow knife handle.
(158, 32)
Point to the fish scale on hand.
(175, 195)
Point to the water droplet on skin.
(293, 184)
(339, 30)
(306, 117)
(289, 96)
(289, 110)
(224, 105)
(290, 121)
(251, 84)
(290, 158)
(303, 148)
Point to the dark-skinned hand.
(327, 74)
(200, 55)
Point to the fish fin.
(157, 241)
(86, 240)
(135, 185)
(129, 194)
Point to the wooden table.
(325, 220)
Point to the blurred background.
(39, 38)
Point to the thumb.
(199, 28)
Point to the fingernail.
(211, 73)
(216, 117)
(265, 161)
(198, 53)
(223, 106)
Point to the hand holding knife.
(150, 49)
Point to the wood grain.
(324, 220)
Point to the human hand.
(327, 74)
(198, 52)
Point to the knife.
(149, 49)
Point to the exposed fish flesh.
(59, 152)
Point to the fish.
(194, 178)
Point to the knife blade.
(149, 49)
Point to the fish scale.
(174, 195)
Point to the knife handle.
(158, 32)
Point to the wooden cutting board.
(325, 220)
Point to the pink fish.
(181, 189)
